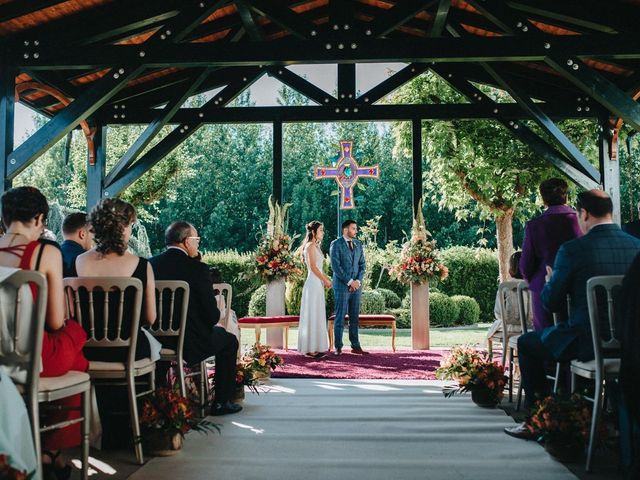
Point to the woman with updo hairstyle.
(312, 329)
(111, 224)
(24, 214)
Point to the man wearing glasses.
(203, 339)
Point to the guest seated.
(111, 224)
(24, 212)
(77, 240)
(203, 339)
(542, 238)
(604, 250)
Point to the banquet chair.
(606, 348)
(112, 336)
(509, 313)
(172, 303)
(223, 299)
(525, 317)
(21, 336)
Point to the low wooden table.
(280, 321)
(369, 321)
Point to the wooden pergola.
(92, 63)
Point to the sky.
(264, 91)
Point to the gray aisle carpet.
(354, 429)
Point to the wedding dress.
(312, 329)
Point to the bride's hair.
(310, 235)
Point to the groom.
(347, 263)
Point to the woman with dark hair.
(111, 224)
(543, 236)
(24, 212)
(312, 329)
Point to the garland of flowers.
(274, 258)
(419, 260)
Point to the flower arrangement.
(419, 260)
(245, 377)
(9, 473)
(167, 411)
(561, 419)
(460, 365)
(261, 359)
(274, 258)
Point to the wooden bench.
(281, 321)
(368, 321)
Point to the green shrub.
(443, 311)
(258, 302)
(372, 302)
(386, 281)
(391, 299)
(403, 317)
(406, 302)
(293, 296)
(472, 272)
(231, 265)
(469, 309)
(330, 300)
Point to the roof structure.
(92, 63)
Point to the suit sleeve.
(528, 260)
(361, 265)
(203, 290)
(337, 269)
(554, 293)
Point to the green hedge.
(391, 299)
(472, 272)
(258, 302)
(371, 303)
(293, 297)
(443, 311)
(469, 310)
(231, 265)
(403, 317)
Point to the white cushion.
(513, 341)
(167, 351)
(67, 380)
(118, 366)
(611, 366)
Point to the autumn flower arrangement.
(261, 360)
(167, 411)
(561, 419)
(246, 377)
(274, 258)
(419, 260)
(9, 473)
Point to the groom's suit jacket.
(346, 264)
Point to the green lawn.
(381, 337)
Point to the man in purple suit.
(543, 236)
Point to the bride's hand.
(327, 283)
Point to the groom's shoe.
(337, 352)
(359, 351)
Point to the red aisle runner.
(380, 364)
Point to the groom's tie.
(350, 245)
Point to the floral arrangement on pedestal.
(419, 260)
(475, 373)
(261, 360)
(167, 417)
(9, 473)
(274, 258)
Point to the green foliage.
(391, 298)
(469, 310)
(231, 265)
(258, 302)
(293, 296)
(372, 302)
(403, 317)
(472, 272)
(443, 310)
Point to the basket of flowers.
(245, 377)
(166, 418)
(260, 361)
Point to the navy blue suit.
(346, 265)
(604, 250)
(70, 251)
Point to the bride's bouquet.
(419, 260)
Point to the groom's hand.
(356, 285)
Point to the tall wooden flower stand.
(275, 307)
(420, 316)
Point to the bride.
(312, 330)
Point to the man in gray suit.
(604, 250)
(347, 263)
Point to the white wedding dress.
(312, 329)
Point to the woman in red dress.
(24, 213)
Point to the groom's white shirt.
(347, 239)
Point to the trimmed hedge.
(472, 272)
(258, 302)
(443, 311)
(391, 299)
(231, 265)
(403, 317)
(469, 310)
(293, 297)
(372, 302)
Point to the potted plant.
(261, 360)
(563, 424)
(166, 418)
(245, 377)
(473, 373)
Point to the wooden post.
(277, 161)
(420, 316)
(610, 166)
(416, 125)
(95, 172)
(7, 104)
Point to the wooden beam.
(610, 164)
(279, 13)
(95, 172)
(392, 83)
(416, 171)
(302, 85)
(7, 104)
(277, 162)
(248, 22)
(440, 19)
(400, 13)
(346, 82)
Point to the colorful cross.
(347, 173)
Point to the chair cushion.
(274, 319)
(69, 379)
(167, 351)
(118, 366)
(588, 369)
(513, 341)
(370, 317)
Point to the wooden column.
(7, 104)
(416, 125)
(96, 172)
(610, 166)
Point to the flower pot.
(161, 443)
(238, 396)
(563, 450)
(483, 397)
(262, 375)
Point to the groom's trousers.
(347, 303)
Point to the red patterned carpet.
(380, 364)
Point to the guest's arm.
(554, 293)
(529, 263)
(150, 297)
